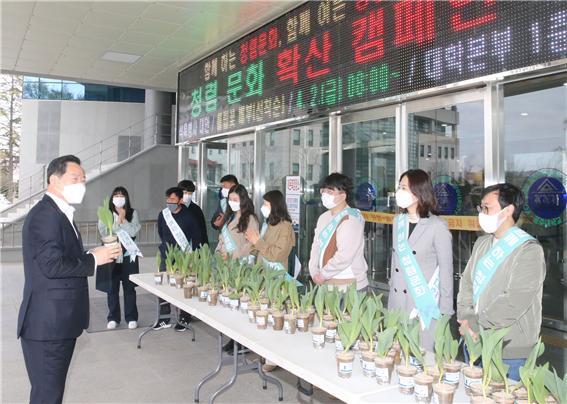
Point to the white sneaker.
(132, 325)
(111, 325)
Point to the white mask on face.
(235, 206)
(74, 193)
(187, 198)
(328, 201)
(119, 201)
(490, 223)
(224, 192)
(404, 199)
(265, 211)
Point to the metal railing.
(97, 157)
(11, 234)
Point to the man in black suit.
(188, 188)
(55, 305)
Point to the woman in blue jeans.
(125, 218)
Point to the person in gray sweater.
(502, 285)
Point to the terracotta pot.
(187, 292)
(472, 375)
(278, 320)
(109, 240)
(405, 375)
(384, 369)
(262, 319)
(368, 364)
(213, 297)
(443, 393)
(290, 323)
(452, 373)
(179, 280)
(318, 337)
(264, 304)
(344, 364)
(331, 332)
(158, 278)
(244, 302)
(252, 309)
(423, 387)
(502, 397)
(303, 322)
(203, 293)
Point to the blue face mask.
(172, 207)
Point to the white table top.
(294, 353)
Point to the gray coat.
(431, 242)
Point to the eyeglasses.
(482, 209)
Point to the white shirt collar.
(67, 209)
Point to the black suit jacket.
(197, 212)
(55, 304)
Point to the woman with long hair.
(126, 226)
(422, 259)
(238, 218)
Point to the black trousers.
(165, 309)
(120, 274)
(47, 363)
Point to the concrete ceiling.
(67, 39)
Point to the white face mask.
(265, 211)
(187, 198)
(328, 201)
(224, 192)
(235, 206)
(404, 199)
(119, 201)
(74, 193)
(490, 223)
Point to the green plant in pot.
(423, 382)
(106, 217)
(405, 371)
(318, 333)
(384, 363)
(158, 275)
(451, 368)
(491, 339)
(254, 290)
(280, 295)
(524, 389)
(472, 373)
(290, 319)
(370, 324)
(170, 265)
(349, 332)
(305, 303)
(203, 276)
(499, 374)
(556, 385)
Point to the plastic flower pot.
(158, 278)
(497, 386)
(452, 373)
(338, 344)
(290, 323)
(264, 304)
(472, 375)
(262, 319)
(331, 332)
(212, 298)
(521, 394)
(109, 240)
(303, 322)
(384, 369)
(476, 390)
(368, 365)
(187, 292)
(423, 387)
(203, 293)
(225, 301)
(278, 320)
(318, 337)
(405, 375)
(244, 302)
(443, 393)
(179, 280)
(271, 317)
(415, 363)
(502, 397)
(327, 318)
(482, 400)
(311, 316)
(433, 372)
(252, 309)
(172, 281)
(344, 364)
(234, 304)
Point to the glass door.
(445, 137)
(369, 158)
(300, 152)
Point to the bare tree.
(10, 130)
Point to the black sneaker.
(179, 327)
(229, 347)
(161, 325)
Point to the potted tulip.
(556, 386)
(384, 363)
(443, 393)
(369, 327)
(490, 340)
(290, 319)
(392, 319)
(107, 219)
(279, 296)
(525, 390)
(451, 368)
(349, 332)
(472, 373)
(500, 372)
(423, 382)
(158, 276)
(254, 290)
(405, 371)
(319, 331)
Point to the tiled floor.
(108, 368)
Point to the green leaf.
(368, 320)
(385, 341)
(556, 386)
(320, 302)
(105, 215)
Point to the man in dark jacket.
(55, 305)
(226, 182)
(189, 201)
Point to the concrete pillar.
(158, 117)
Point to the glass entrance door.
(369, 158)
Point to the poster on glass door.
(293, 198)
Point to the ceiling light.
(524, 114)
(120, 57)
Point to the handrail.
(141, 136)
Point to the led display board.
(326, 55)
